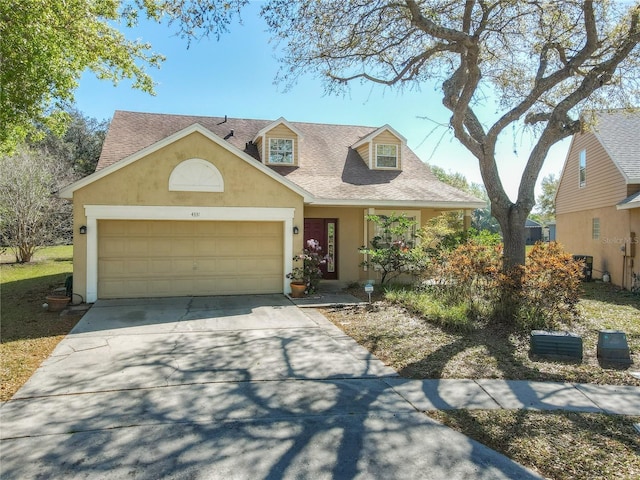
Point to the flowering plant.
(309, 273)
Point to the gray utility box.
(613, 347)
(556, 344)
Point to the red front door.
(325, 230)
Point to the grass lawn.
(559, 445)
(28, 333)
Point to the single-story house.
(598, 197)
(189, 205)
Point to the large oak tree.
(544, 62)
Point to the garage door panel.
(174, 258)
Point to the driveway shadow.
(148, 402)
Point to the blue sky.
(235, 75)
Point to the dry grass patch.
(28, 333)
(419, 348)
(558, 445)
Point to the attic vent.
(196, 175)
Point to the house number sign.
(195, 214)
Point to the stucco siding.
(145, 183)
(604, 186)
(574, 232)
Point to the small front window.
(583, 168)
(281, 151)
(386, 156)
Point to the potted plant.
(298, 283)
(306, 278)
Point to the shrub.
(393, 251)
(310, 272)
(469, 274)
(542, 294)
(550, 287)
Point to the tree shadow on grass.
(23, 315)
(496, 342)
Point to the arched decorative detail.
(196, 175)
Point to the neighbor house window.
(595, 228)
(583, 168)
(281, 150)
(386, 156)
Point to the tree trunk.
(514, 236)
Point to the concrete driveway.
(224, 387)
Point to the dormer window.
(281, 151)
(386, 156)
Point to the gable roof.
(330, 172)
(377, 132)
(618, 132)
(67, 192)
(272, 125)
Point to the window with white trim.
(582, 169)
(386, 156)
(281, 151)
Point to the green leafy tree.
(481, 218)
(45, 46)
(79, 147)
(393, 251)
(546, 205)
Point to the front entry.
(325, 230)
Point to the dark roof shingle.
(328, 167)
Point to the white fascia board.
(67, 192)
(628, 206)
(397, 204)
(377, 132)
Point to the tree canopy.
(543, 62)
(45, 46)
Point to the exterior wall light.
(83, 230)
(296, 230)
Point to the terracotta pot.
(57, 302)
(297, 289)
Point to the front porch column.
(467, 219)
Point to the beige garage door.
(177, 258)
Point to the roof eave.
(451, 205)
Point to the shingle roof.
(619, 133)
(328, 168)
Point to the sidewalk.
(486, 394)
(517, 394)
